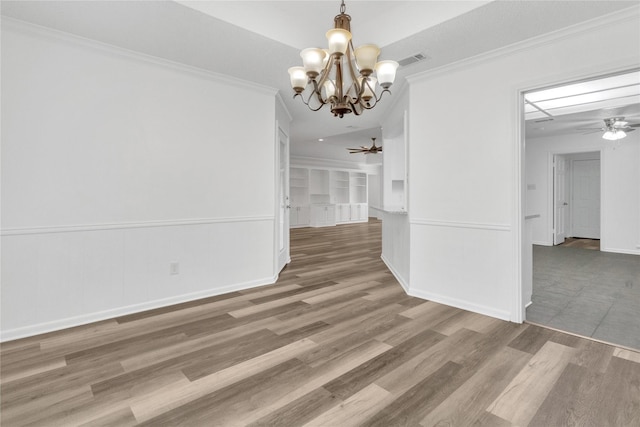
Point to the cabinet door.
(330, 215)
(303, 215)
(346, 213)
(355, 212)
(364, 213)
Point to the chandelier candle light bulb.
(345, 73)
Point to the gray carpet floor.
(586, 292)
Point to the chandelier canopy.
(332, 75)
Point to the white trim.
(84, 319)
(396, 274)
(127, 225)
(465, 305)
(460, 224)
(541, 243)
(46, 32)
(330, 164)
(627, 14)
(621, 251)
(518, 312)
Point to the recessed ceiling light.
(320, 139)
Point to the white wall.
(114, 166)
(374, 191)
(395, 219)
(464, 163)
(620, 190)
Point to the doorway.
(585, 187)
(576, 197)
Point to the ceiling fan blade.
(593, 131)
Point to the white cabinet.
(319, 186)
(324, 197)
(343, 213)
(339, 187)
(299, 186)
(323, 215)
(299, 216)
(358, 187)
(359, 212)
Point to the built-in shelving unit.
(339, 187)
(325, 197)
(299, 186)
(358, 186)
(319, 187)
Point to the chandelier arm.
(326, 71)
(317, 91)
(357, 108)
(307, 101)
(320, 100)
(359, 89)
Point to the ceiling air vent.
(546, 119)
(412, 59)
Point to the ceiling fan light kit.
(615, 128)
(613, 135)
(332, 77)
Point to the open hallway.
(335, 342)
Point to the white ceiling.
(274, 32)
(302, 24)
(581, 107)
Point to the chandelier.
(332, 75)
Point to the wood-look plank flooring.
(577, 242)
(335, 342)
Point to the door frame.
(552, 194)
(573, 159)
(551, 203)
(282, 257)
(518, 309)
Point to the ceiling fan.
(366, 150)
(614, 128)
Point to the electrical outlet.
(174, 268)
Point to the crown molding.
(624, 15)
(317, 162)
(61, 36)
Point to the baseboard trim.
(464, 305)
(395, 273)
(621, 251)
(70, 322)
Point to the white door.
(559, 199)
(585, 212)
(284, 206)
